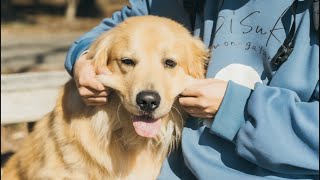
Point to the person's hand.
(90, 89)
(203, 97)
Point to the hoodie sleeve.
(274, 129)
(136, 8)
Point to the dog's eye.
(127, 61)
(169, 63)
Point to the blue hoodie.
(264, 129)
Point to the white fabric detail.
(240, 74)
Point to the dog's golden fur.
(76, 141)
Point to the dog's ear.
(99, 50)
(99, 53)
(199, 55)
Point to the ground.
(37, 45)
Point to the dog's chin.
(146, 126)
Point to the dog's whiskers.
(118, 109)
(175, 108)
(172, 114)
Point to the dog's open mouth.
(146, 126)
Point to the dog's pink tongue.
(147, 127)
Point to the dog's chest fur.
(87, 144)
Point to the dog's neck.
(120, 147)
(116, 128)
(116, 135)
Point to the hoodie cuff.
(75, 52)
(232, 111)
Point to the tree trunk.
(71, 10)
(6, 10)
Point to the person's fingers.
(201, 115)
(95, 104)
(199, 112)
(190, 101)
(103, 70)
(191, 110)
(86, 92)
(93, 84)
(95, 100)
(191, 92)
(194, 89)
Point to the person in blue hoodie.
(261, 122)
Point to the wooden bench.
(27, 97)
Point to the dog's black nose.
(148, 100)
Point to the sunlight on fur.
(152, 60)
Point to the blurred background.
(35, 36)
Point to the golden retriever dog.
(152, 60)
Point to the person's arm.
(271, 127)
(136, 8)
(285, 133)
(275, 127)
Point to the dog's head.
(151, 59)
